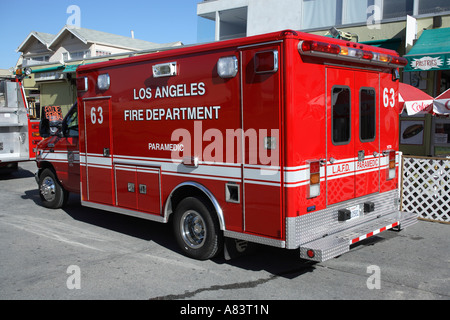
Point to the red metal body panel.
(389, 123)
(33, 137)
(62, 154)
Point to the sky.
(159, 21)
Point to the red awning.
(414, 100)
(441, 104)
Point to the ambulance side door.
(261, 117)
(98, 159)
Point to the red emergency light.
(310, 47)
(316, 46)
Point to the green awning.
(49, 69)
(431, 51)
(391, 44)
(73, 68)
(63, 69)
(70, 69)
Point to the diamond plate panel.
(316, 225)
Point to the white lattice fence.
(426, 187)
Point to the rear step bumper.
(338, 243)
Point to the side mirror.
(48, 128)
(55, 127)
(44, 128)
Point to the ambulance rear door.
(353, 155)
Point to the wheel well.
(193, 190)
(45, 165)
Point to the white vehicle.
(19, 135)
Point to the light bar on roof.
(317, 48)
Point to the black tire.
(52, 194)
(197, 229)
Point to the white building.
(73, 43)
(235, 18)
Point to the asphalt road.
(81, 253)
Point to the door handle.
(190, 161)
(106, 152)
(361, 155)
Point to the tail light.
(391, 164)
(314, 179)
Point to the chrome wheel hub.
(48, 189)
(193, 229)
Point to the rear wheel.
(51, 192)
(197, 229)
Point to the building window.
(36, 60)
(232, 23)
(355, 11)
(397, 8)
(78, 55)
(433, 6)
(328, 13)
(320, 13)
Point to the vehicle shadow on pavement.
(135, 227)
(279, 262)
(10, 174)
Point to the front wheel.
(51, 192)
(197, 229)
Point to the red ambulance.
(286, 139)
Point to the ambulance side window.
(367, 114)
(341, 115)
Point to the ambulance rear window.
(340, 108)
(367, 118)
